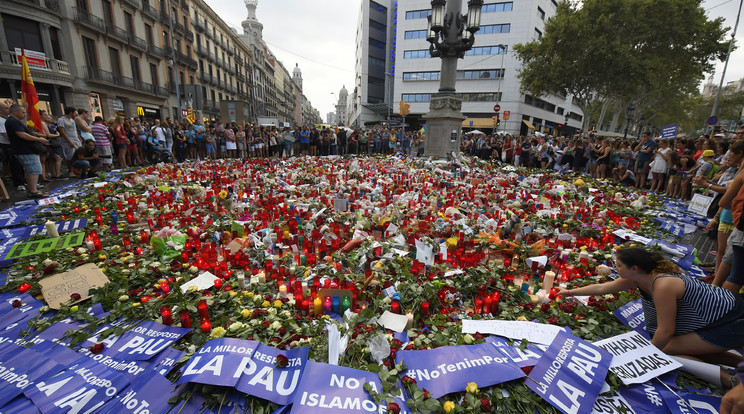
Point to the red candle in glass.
(165, 312)
(478, 306)
(203, 310)
(143, 237)
(425, 308)
(206, 326)
(395, 307)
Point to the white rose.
(276, 325)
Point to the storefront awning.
(529, 124)
(478, 123)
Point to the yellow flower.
(248, 294)
(233, 293)
(277, 303)
(472, 388)
(223, 194)
(217, 332)
(449, 406)
(265, 304)
(246, 313)
(521, 318)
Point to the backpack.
(737, 206)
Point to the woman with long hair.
(51, 162)
(685, 316)
(121, 141)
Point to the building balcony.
(51, 66)
(186, 60)
(218, 61)
(165, 18)
(149, 11)
(199, 24)
(84, 17)
(117, 32)
(210, 105)
(178, 27)
(239, 60)
(155, 51)
(185, 5)
(134, 3)
(138, 43)
(230, 50)
(210, 56)
(204, 77)
(189, 35)
(240, 76)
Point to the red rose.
(408, 380)
(545, 308)
(75, 297)
(527, 370)
(427, 394)
(485, 405)
(282, 361)
(282, 330)
(393, 408)
(553, 320)
(97, 348)
(17, 303)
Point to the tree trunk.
(602, 114)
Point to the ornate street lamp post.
(629, 115)
(451, 35)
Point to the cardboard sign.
(393, 321)
(635, 360)
(45, 246)
(700, 204)
(57, 289)
(534, 332)
(448, 369)
(570, 374)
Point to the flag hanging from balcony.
(30, 99)
(190, 115)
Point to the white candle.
(583, 255)
(283, 291)
(409, 324)
(548, 281)
(262, 277)
(51, 228)
(89, 244)
(241, 280)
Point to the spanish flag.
(30, 99)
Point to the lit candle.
(317, 306)
(241, 280)
(395, 307)
(218, 284)
(345, 304)
(165, 312)
(51, 228)
(203, 310)
(327, 305)
(478, 306)
(283, 291)
(425, 308)
(548, 280)
(487, 303)
(336, 304)
(206, 326)
(262, 277)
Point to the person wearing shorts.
(86, 159)
(20, 140)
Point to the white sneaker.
(21, 188)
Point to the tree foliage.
(645, 52)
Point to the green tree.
(645, 52)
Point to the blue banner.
(147, 394)
(28, 231)
(450, 368)
(20, 405)
(81, 388)
(570, 374)
(631, 314)
(701, 404)
(13, 216)
(145, 341)
(331, 389)
(615, 404)
(263, 379)
(669, 131)
(22, 370)
(646, 398)
(523, 358)
(219, 362)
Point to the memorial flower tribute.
(341, 284)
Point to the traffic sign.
(507, 114)
(712, 120)
(496, 108)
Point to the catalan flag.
(30, 99)
(190, 115)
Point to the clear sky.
(320, 36)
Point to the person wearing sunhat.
(705, 163)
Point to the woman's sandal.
(38, 195)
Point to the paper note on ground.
(534, 332)
(203, 281)
(57, 289)
(393, 321)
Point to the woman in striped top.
(686, 316)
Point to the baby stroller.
(156, 154)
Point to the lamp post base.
(443, 126)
